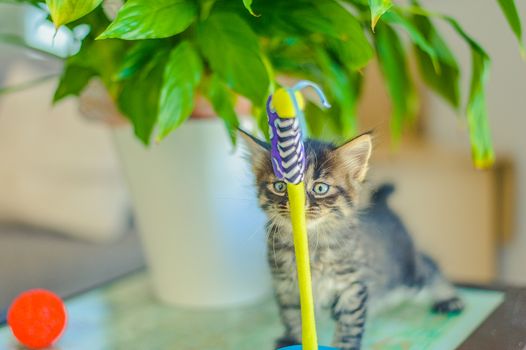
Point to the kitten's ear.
(257, 148)
(355, 155)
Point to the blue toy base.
(298, 347)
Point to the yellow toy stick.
(301, 246)
(284, 109)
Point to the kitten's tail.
(382, 193)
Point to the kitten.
(358, 253)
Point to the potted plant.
(156, 58)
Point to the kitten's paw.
(449, 306)
(347, 347)
(348, 343)
(285, 341)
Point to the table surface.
(505, 328)
(124, 315)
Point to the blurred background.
(66, 219)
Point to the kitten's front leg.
(349, 312)
(288, 300)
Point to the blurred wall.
(50, 153)
(507, 108)
(507, 102)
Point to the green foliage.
(512, 16)
(394, 66)
(481, 145)
(345, 90)
(73, 80)
(232, 50)
(445, 79)
(378, 8)
(318, 24)
(78, 69)
(66, 11)
(476, 109)
(137, 57)
(248, 6)
(181, 77)
(416, 35)
(139, 97)
(222, 101)
(140, 19)
(219, 48)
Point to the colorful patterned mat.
(125, 316)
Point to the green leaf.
(206, 6)
(261, 116)
(181, 78)
(378, 8)
(66, 11)
(393, 64)
(317, 23)
(248, 6)
(144, 19)
(95, 58)
(324, 124)
(232, 50)
(73, 80)
(103, 57)
(445, 81)
(480, 136)
(360, 2)
(343, 31)
(136, 57)
(295, 59)
(396, 18)
(510, 12)
(345, 89)
(222, 101)
(139, 98)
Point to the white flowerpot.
(196, 209)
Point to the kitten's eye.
(280, 186)
(321, 188)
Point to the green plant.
(155, 56)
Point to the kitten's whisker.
(253, 234)
(326, 237)
(337, 238)
(317, 239)
(274, 249)
(272, 228)
(236, 198)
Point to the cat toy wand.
(284, 110)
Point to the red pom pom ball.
(37, 318)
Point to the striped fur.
(359, 254)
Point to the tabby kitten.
(359, 252)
